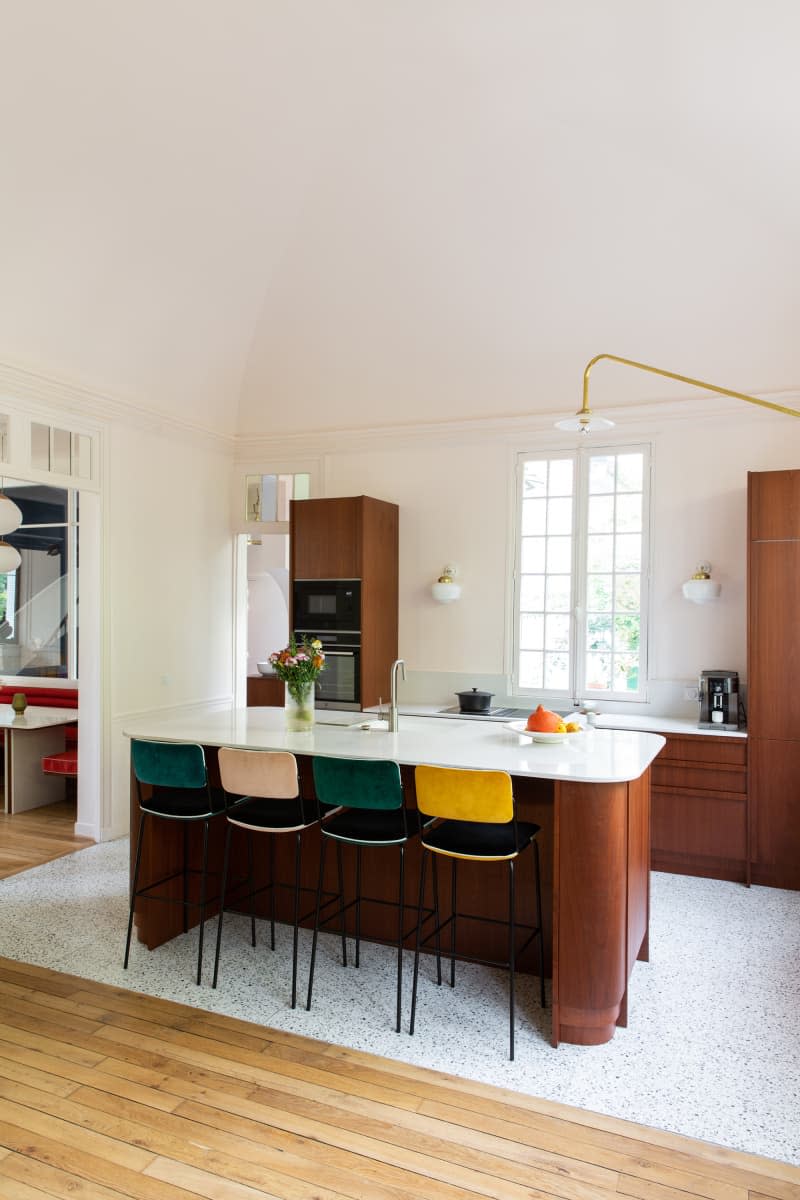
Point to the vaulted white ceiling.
(275, 215)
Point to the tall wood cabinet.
(354, 537)
(773, 675)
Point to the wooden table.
(591, 796)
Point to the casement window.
(580, 596)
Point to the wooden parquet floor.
(105, 1093)
(30, 838)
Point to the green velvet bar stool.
(373, 816)
(176, 776)
(470, 816)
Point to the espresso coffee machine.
(719, 700)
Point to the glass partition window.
(268, 496)
(39, 601)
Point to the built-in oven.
(339, 684)
(320, 605)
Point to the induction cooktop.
(511, 713)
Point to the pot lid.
(474, 692)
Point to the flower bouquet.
(298, 665)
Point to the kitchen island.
(590, 794)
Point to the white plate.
(519, 727)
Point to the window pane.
(40, 446)
(559, 554)
(557, 592)
(559, 516)
(557, 635)
(599, 632)
(531, 674)
(598, 672)
(533, 554)
(629, 513)
(556, 671)
(534, 517)
(626, 632)
(601, 474)
(626, 673)
(599, 593)
(600, 553)
(561, 472)
(601, 514)
(531, 631)
(531, 597)
(628, 552)
(534, 479)
(626, 592)
(33, 623)
(62, 451)
(630, 472)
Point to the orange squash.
(542, 720)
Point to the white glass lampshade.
(445, 590)
(584, 422)
(10, 515)
(9, 558)
(701, 588)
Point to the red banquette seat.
(65, 762)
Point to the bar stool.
(472, 817)
(370, 795)
(177, 773)
(269, 800)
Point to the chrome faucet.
(393, 717)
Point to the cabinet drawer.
(717, 750)
(703, 778)
(698, 825)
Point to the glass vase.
(299, 707)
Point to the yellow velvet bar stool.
(472, 818)
(265, 797)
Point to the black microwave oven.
(321, 605)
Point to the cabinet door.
(773, 504)
(326, 538)
(774, 641)
(775, 809)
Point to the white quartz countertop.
(650, 723)
(36, 717)
(595, 756)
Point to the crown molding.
(50, 392)
(628, 419)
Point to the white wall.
(168, 586)
(455, 493)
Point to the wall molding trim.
(21, 384)
(630, 420)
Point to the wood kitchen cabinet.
(700, 806)
(773, 675)
(354, 537)
(265, 690)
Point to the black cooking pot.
(474, 701)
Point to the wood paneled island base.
(594, 845)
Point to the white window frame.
(577, 690)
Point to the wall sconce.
(585, 421)
(701, 587)
(10, 519)
(445, 590)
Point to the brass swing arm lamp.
(584, 420)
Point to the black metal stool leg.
(185, 878)
(420, 902)
(358, 906)
(511, 948)
(436, 924)
(134, 885)
(322, 849)
(203, 881)
(251, 885)
(401, 907)
(297, 851)
(223, 890)
(454, 902)
(272, 891)
(341, 902)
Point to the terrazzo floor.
(712, 1050)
